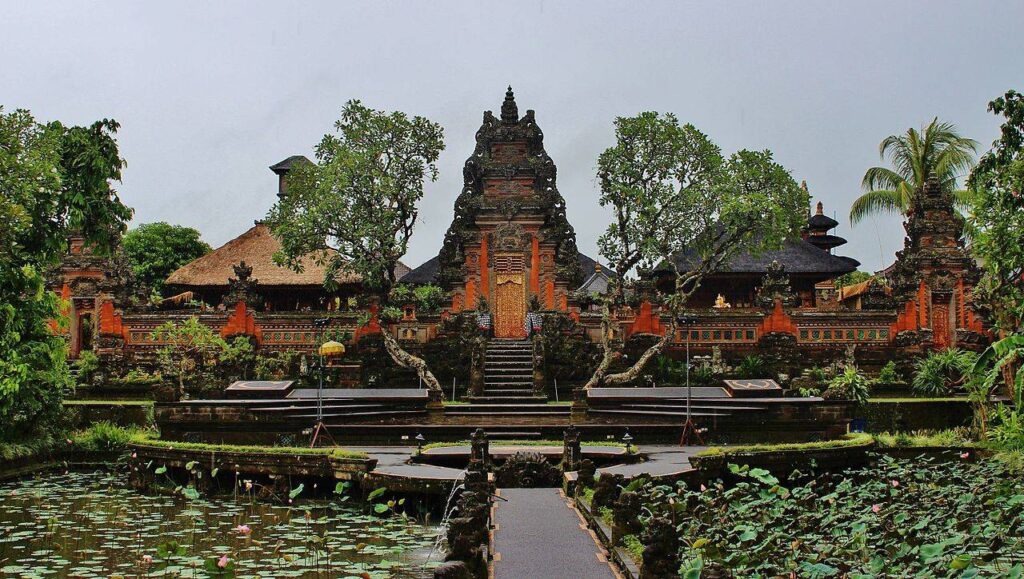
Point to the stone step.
(506, 413)
(517, 386)
(521, 375)
(514, 435)
(489, 399)
(531, 407)
(655, 413)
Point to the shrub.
(752, 367)
(939, 373)
(888, 374)
(103, 436)
(850, 385)
(87, 364)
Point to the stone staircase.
(508, 386)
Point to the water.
(92, 524)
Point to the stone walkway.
(538, 535)
(666, 460)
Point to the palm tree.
(937, 148)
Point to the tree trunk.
(407, 360)
(634, 371)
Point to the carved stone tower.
(510, 239)
(934, 275)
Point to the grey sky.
(211, 93)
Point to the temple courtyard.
(532, 290)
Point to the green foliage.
(850, 385)
(997, 218)
(752, 367)
(55, 181)
(953, 438)
(360, 196)
(917, 517)
(199, 359)
(854, 277)
(937, 149)
(942, 372)
(147, 439)
(105, 436)
(429, 298)
(87, 365)
(888, 374)
(155, 250)
(672, 191)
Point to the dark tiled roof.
(284, 166)
(797, 255)
(427, 271)
(821, 222)
(826, 241)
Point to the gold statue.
(721, 303)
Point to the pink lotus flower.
(223, 561)
(965, 455)
(243, 529)
(135, 455)
(70, 441)
(895, 483)
(876, 508)
(703, 488)
(147, 559)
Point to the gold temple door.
(509, 297)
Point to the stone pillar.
(578, 412)
(480, 448)
(661, 549)
(539, 382)
(625, 516)
(572, 453)
(476, 368)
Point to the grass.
(634, 547)
(958, 437)
(146, 403)
(101, 436)
(147, 439)
(921, 399)
(847, 441)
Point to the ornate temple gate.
(509, 296)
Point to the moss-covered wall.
(908, 414)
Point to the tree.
(937, 148)
(672, 192)
(55, 180)
(356, 207)
(155, 250)
(997, 217)
(199, 359)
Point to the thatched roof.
(256, 247)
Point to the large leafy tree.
(155, 250)
(672, 192)
(55, 180)
(997, 218)
(937, 148)
(356, 207)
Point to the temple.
(510, 250)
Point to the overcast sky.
(209, 94)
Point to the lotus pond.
(92, 524)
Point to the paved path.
(538, 535)
(393, 461)
(661, 461)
